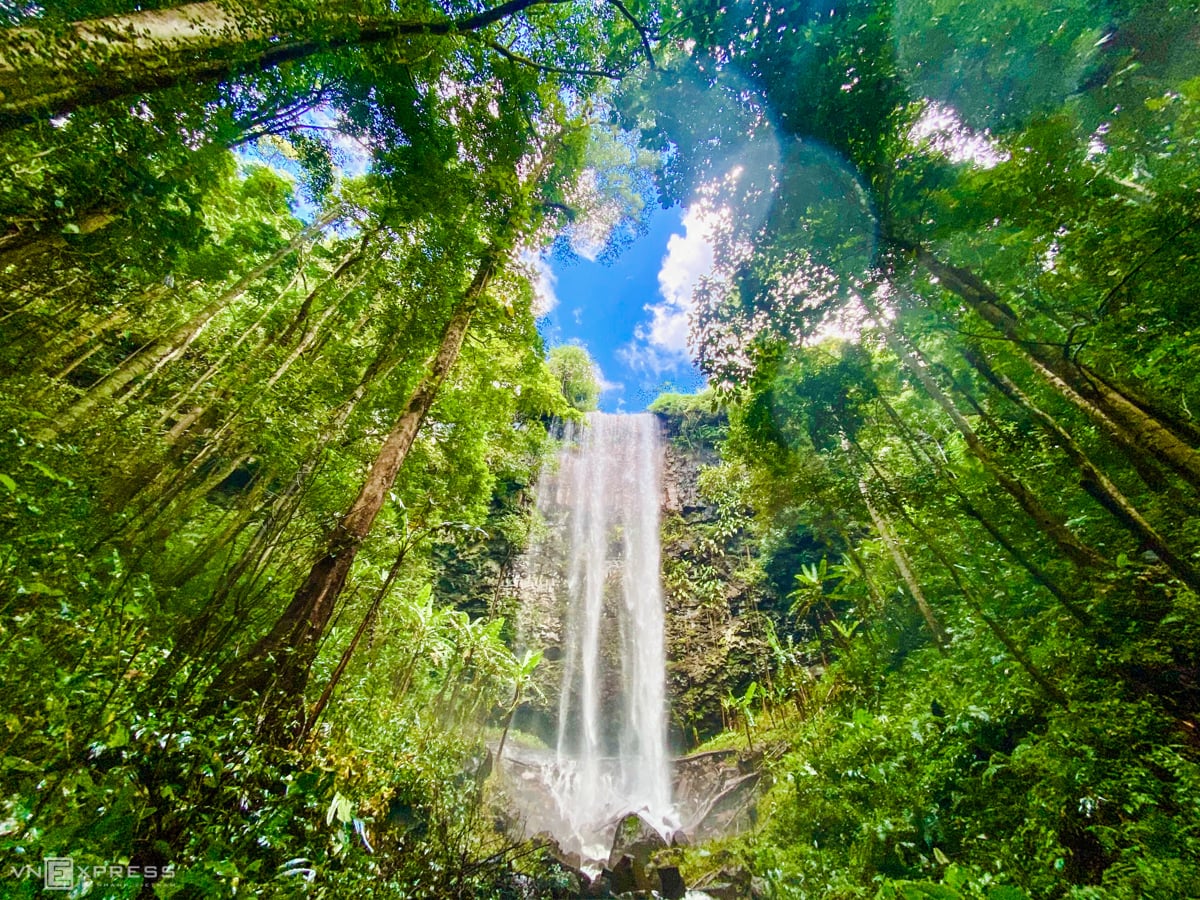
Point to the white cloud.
(689, 258)
(607, 386)
(646, 360)
(661, 344)
(538, 271)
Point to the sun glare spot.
(940, 129)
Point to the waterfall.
(599, 565)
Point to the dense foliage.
(253, 414)
(268, 374)
(949, 318)
(576, 375)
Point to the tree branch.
(1103, 307)
(553, 70)
(503, 11)
(642, 31)
(36, 84)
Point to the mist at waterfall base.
(598, 563)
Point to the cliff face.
(714, 633)
(534, 597)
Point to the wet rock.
(568, 859)
(712, 648)
(671, 884)
(635, 837)
(730, 884)
(637, 840)
(715, 792)
(600, 886)
(621, 878)
(750, 762)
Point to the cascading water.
(601, 502)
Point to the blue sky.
(631, 314)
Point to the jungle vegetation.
(269, 373)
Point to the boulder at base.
(671, 884)
(637, 840)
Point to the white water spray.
(611, 755)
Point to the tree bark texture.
(884, 528)
(1094, 481)
(1050, 524)
(45, 72)
(1130, 426)
(281, 659)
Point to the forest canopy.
(273, 394)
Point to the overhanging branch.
(643, 32)
(517, 58)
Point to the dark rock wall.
(714, 630)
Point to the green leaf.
(8, 483)
(16, 764)
(1006, 892)
(36, 587)
(50, 473)
(340, 808)
(1190, 89)
(924, 890)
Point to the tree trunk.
(884, 528)
(239, 518)
(192, 636)
(144, 479)
(1095, 482)
(43, 73)
(301, 318)
(283, 508)
(175, 342)
(1186, 429)
(1135, 430)
(19, 250)
(180, 399)
(508, 717)
(1001, 634)
(63, 356)
(1035, 571)
(1050, 524)
(372, 611)
(281, 659)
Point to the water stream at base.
(611, 754)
